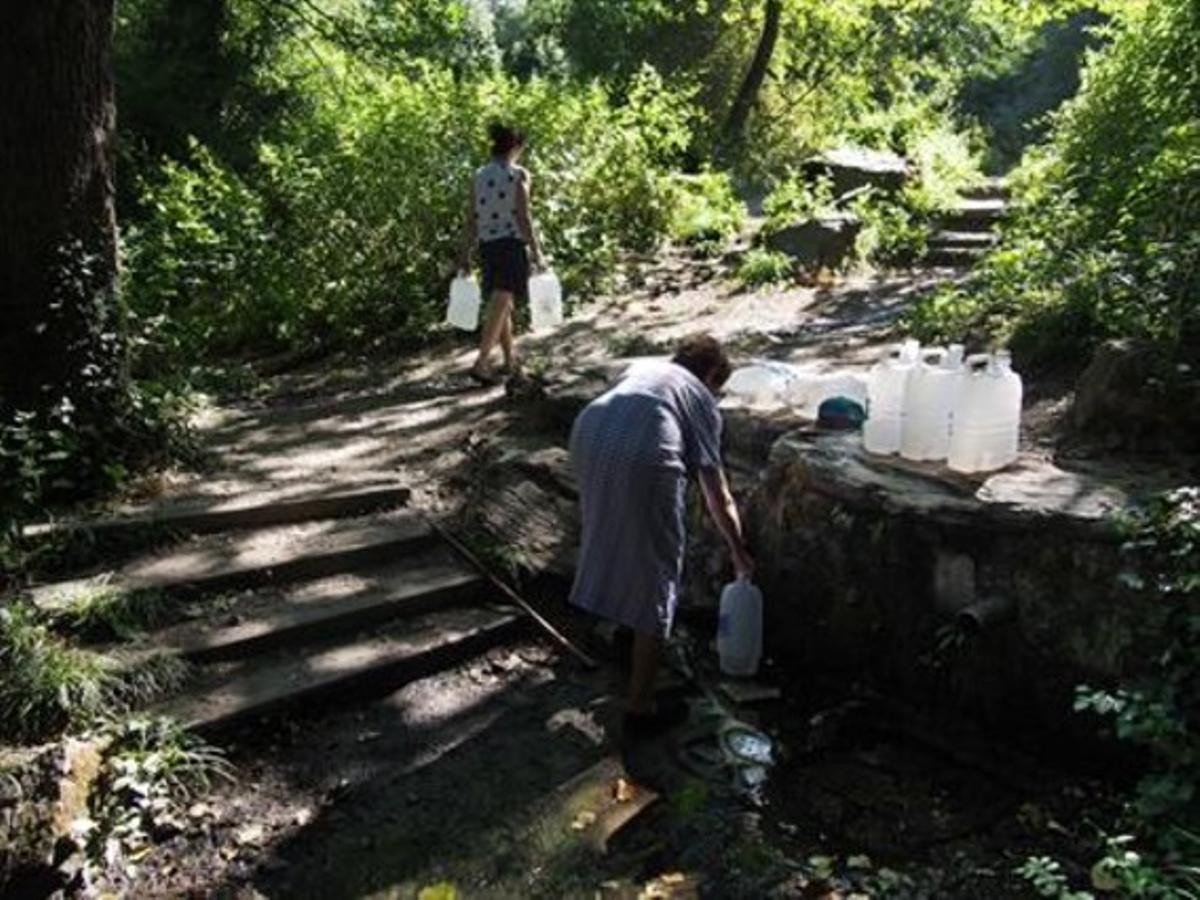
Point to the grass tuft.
(763, 267)
(48, 686)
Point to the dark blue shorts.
(505, 267)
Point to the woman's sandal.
(487, 379)
(667, 714)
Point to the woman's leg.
(647, 650)
(506, 342)
(498, 315)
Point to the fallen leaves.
(670, 886)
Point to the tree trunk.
(735, 125)
(59, 324)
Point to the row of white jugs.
(545, 302)
(933, 405)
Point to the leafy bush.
(1106, 238)
(706, 211)
(761, 267)
(346, 227)
(1159, 713)
(795, 198)
(893, 233)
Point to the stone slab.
(1032, 493)
(325, 607)
(242, 511)
(226, 694)
(233, 560)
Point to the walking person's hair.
(505, 138)
(704, 357)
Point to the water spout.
(985, 614)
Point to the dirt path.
(350, 423)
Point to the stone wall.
(990, 597)
(993, 597)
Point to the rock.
(1132, 397)
(45, 791)
(824, 242)
(865, 564)
(852, 168)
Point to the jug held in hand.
(739, 634)
(545, 301)
(463, 311)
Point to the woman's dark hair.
(505, 138)
(704, 357)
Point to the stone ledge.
(1031, 494)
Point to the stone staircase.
(965, 234)
(292, 606)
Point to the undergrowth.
(1153, 850)
(761, 267)
(48, 686)
(106, 613)
(152, 769)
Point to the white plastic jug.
(463, 311)
(763, 383)
(851, 385)
(545, 301)
(887, 390)
(932, 390)
(987, 415)
(739, 634)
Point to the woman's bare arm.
(723, 509)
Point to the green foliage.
(706, 210)
(796, 198)
(1158, 713)
(47, 685)
(105, 613)
(893, 233)
(152, 768)
(761, 267)
(1046, 877)
(346, 228)
(1163, 713)
(1106, 240)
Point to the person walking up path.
(500, 222)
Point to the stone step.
(972, 240)
(953, 257)
(989, 189)
(325, 607)
(362, 666)
(205, 517)
(974, 215)
(234, 560)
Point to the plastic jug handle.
(977, 360)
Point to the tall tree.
(58, 232)
(756, 74)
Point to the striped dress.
(632, 451)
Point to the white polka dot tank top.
(496, 187)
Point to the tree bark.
(59, 323)
(734, 131)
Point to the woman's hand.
(743, 562)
